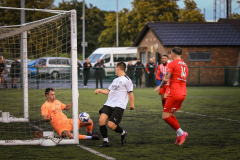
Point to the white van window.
(94, 57)
(107, 58)
(132, 57)
(124, 57)
(120, 57)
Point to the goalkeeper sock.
(89, 128)
(172, 122)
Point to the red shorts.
(173, 103)
(164, 89)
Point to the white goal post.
(53, 38)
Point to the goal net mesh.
(48, 65)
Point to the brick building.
(208, 48)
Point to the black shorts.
(114, 113)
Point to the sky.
(110, 5)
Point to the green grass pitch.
(149, 136)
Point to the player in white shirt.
(119, 92)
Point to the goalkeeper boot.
(124, 138)
(89, 133)
(182, 138)
(95, 137)
(105, 144)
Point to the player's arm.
(158, 74)
(164, 81)
(131, 100)
(103, 91)
(45, 118)
(68, 106)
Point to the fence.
(197, 76)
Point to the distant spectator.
(2, 68)
(79, 65)
(5, 75)
(151, 69)
(15, 72)
(86, 71)
(170, 59)
(130, 70)
(139, 68)
(99, 72)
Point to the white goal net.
(37, 55)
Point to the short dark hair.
(165, 55)
(47, 90)
(122, 66)
(177, 50)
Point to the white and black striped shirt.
(119, 90)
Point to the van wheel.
(55, 75)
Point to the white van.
(112, 55)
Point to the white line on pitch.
(95, 152)
(202, 115)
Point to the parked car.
(55, 67)
(31, 68)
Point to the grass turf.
(149, 136)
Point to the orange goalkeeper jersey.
(53, 111)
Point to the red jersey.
(178, 78)
(163, 70)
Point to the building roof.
(193, 33)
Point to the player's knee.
(90, 121)
(101, 122)
(164, 116)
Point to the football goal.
(37, 55)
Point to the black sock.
(103, 130)
(118, 129)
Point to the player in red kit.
(177, 73)
(162, 69)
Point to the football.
(84, 117)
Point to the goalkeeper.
(52, 111)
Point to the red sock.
(174, 118)
(172, 122)
(164, 101)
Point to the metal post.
(24, 82)
(117, 23)
(74, 75)
(25, 74)
(21, 49)
(83, 23)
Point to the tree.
(131, 22)
(236, 15)
(191, 13)
(13, 17)
(94, 20)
